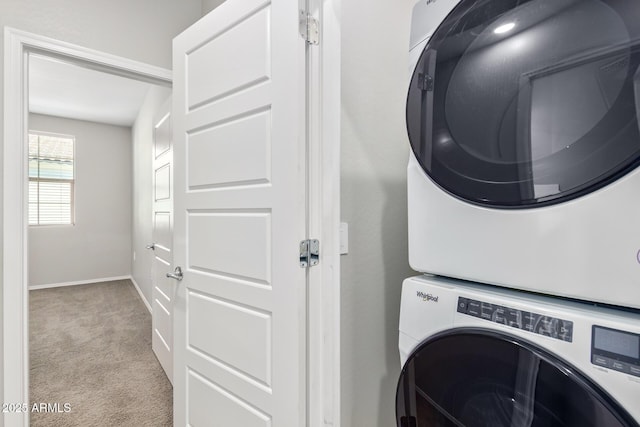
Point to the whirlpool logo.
(427, 297)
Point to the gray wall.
(209, 5)
(143, 188)
(375, 40)
(99, 244)
(141, 30)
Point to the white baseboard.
(78, 282)
(87, 282)
(144, 300)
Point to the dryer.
(479, 356)
(523, 119)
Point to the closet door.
(163, 287)
(240, 152)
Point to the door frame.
(323, 342)
(15, 298)
(324, 142)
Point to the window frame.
(72, 182)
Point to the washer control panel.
(528, 321)
(615, 349)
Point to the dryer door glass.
(477, 378)
(524, 103)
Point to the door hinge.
(309, 253)
(309, 28)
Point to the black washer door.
(480, 378)
(525, 103)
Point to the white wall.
(141, 30)
(99, 244)
(375, 41)
(142, 132)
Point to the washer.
(523, 123)
(476, 355)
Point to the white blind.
(51, 179)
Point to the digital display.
(617, 342)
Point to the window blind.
(51, 179)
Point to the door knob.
(152, 246)
(177, 274)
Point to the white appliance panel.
(587, 248)
(429, 306)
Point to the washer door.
(480, 378)
(524, 103)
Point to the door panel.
(249, 353)
(234, 244)
(163, 287)
(162, 181)
(162, 318)
(230, 411)
(162, 229)
(240, 311)
(246, 59)
(226, 160)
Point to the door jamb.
(324, 109)
(17, 45)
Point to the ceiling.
(58, 88)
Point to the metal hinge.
(309, 28)
(309, 253)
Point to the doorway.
(90, 334)
(84, 60)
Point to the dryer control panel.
(553, 327)
(615, 349)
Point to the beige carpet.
(90, 347)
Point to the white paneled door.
(240, 214)
(164, 288)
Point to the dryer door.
(480, 378)
(525, 103)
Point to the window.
(51, 179)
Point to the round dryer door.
(525, 103)
(479, 378)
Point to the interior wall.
(374, 204)
(142, 132)
(99, 243)
(142, 30)
(209, 5)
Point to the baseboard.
(88, 282)
(78, 282)
(144, 300)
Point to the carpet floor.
(90, 348)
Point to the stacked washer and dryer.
(524, 213)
